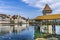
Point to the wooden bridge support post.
(40, 24)
(53, 29)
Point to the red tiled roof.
(14, 16)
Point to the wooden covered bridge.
(48, 21)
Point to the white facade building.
(12, 23)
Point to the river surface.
(27, 34)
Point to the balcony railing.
(51, 23)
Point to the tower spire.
(47, 10)
(47, 7)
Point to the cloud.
(54, 4)
(37, 3)
(2, 11)
(8, 7)
(9, 10)
(56, 11)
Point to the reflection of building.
(48, 21)
(12, 23)
(20, 21)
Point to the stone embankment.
(52, 38)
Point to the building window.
(3, 18)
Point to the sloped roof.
(48, 17)
(5, 15)
(47, 7)
(23, 18)
(14, 16)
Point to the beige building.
(4, 18)
(21, 23)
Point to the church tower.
(47, 10)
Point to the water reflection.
(12, 28)
(58, 30)
(27, 34)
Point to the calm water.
(27, 34)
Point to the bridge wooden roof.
(48, 17)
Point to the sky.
(28, 8)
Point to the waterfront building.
(4, 22)
(48, 21)
(4, 18)
(13, 23)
